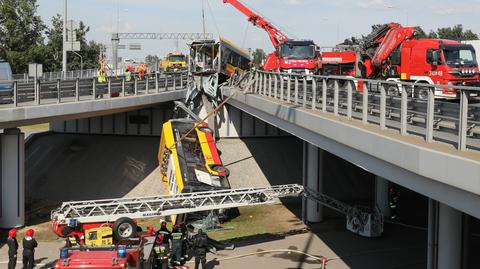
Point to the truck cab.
(294, 56)
(443, 62)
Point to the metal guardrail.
(51, 76)
(62, 91)
(432, 117)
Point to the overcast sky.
(324, 21)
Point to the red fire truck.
(394, 53)
(290, 55)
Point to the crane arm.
(390, 42)
(276, 36)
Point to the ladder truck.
(290, 55)
(130, 248)
(394, 53)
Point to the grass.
(257, 220)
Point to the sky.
(325, 21)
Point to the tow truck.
(174, 62)
(290, 55)
(394, 53)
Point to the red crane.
(298, 56)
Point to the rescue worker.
(128, 75)
(29, 245)
(161, 255)
(200, 245)
(12, 248)
(72, 241)
(177, 246)
(183, 229)
(101, 78)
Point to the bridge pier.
(312, 211)
(445, 237)
(12, 175)
(381, 196)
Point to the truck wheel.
(124, 228)
(421, 93)
(392, 90)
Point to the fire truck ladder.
(361, 220)
(109, 210)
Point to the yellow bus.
(189, 159)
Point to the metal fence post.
(36, 93)
(349, 99)
(77, 89)
(463, 121)
(430, 114)
(324, 95)
(314, 93)
(59, 92)
(135, 86)
(15, 93)
(123, 86)
(265, 83)
(166, 82)
(336, 89)
(281, 87)
(174, 81)
(181, 80)
(403, 112)
(94, 88)
(289, 88)
(296, 90)
(157, 89)
(383, 106)
(147, 85)
(270, 80)
(366, 87)
(304, 92)
(109, 87)
(275, 94)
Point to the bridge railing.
(410, 108)
(75, 90)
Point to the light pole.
(64, 57)
(81, 63)
(400, 9)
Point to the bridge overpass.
(61, 100)
(400, 139)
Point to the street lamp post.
(64, 60)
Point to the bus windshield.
(5, 71)
(297, 51)
(459, 56)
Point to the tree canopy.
(24, 39)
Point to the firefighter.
(183, 229)
(161, 255)
(72, 241)
(29, 245)
(128, 75)
(12, 248)
(200, 245)
(177, 246)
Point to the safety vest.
(101, 77)
(72, 240)
(128, 76)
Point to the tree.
(88, 50)
(258, 57)
(21, 32)
(456, 33)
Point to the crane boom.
(276, 36)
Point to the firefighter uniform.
(177, 246)
(12, 248)
(201, 247)
(29, 245)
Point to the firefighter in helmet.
(200, 245)
(177, 246)
(12, 248)
(29, 245)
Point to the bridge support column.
(445, 236)
(312, 179)
(12, 175)
(381, 196)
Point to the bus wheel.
(124, 228)
(421, 93)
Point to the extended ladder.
(109, 210)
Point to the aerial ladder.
(360, 220)
(290, 55)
